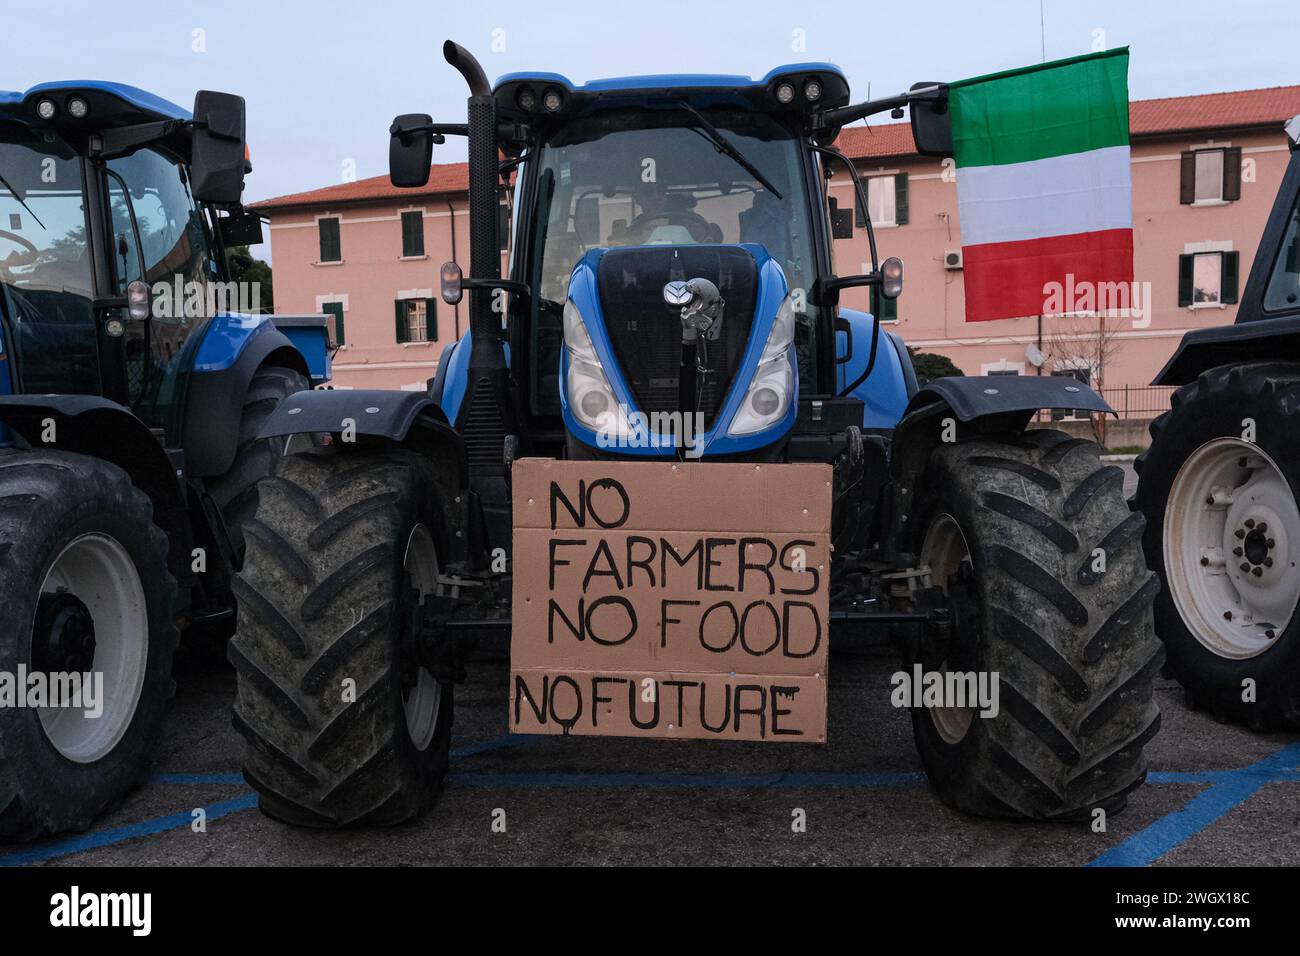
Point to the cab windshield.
(46, 287)
(648, 177)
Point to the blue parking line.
(1233, 788)
(1228, 788)
(93, 841)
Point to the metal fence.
(1138, 401)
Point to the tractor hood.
(627, 346)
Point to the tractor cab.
(106, 191)
(671, 284)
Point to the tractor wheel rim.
(1231, 537)
(943, 551)
(421, 703)
(99, 571)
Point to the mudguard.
(1259, 340)
(95, 426)
(409, 418)
(234, 347)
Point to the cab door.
(160, 236)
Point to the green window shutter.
(330, 248)
(900, 199)
(1185, 279)
(430, 320)
(884, 309)
(401, 325)
(859, 211)
(335, 309)
(1232, 173)
(413, 233)
(1187, 179)
(1228, 263)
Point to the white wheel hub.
(98, 570)
(421, 703)
(944, 551)
(1231, 533)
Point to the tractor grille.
(484, 433)
(646, 333)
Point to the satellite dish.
(1035, 356)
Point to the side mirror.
(931, 122)
(841, 221)
(410, 150)
(241, 228)
(218, 148)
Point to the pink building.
(1205, 170)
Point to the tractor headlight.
(590, 397)
(770, 393)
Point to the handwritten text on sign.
(670, 600)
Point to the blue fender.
(891, 384)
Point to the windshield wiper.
(19, 196)
(724, 146)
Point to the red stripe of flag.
(1005, 280)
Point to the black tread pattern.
(1075, 661)
(320, 603)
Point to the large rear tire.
(1218, 488)
(342, 726)
(86, 588)
(1011, 532)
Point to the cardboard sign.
(666, 599)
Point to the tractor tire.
(341, 727)
(86, 585)
(1011, 531)
(235, 491)
(1218, 489)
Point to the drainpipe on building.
(451, 210)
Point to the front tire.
(1011, 533)
(1218, 488)
(86, 585)
(342, 727)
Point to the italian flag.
(1044, 189)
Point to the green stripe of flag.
(1067, 106)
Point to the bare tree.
(1086, 342)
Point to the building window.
(1210, 176)
(1083, 375)
(330, 250)
(887, 200)
(1207, 279)
(417, 320)
(885, 309)
(412, 233)
(335, 310)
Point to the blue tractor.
(1218, 488)
(672, 255)
(130, 414)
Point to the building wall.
(370, 277)
(931, 311)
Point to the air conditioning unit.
(952, 260)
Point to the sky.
(324, 79)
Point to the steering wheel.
(31, 253)
(701, 229)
